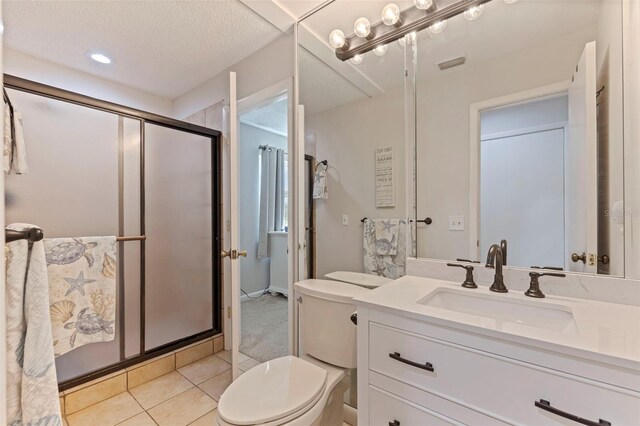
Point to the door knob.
(575, 257)
(225, 253)
(242, 253)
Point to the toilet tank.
(326, 330)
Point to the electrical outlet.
(456, 223)
(345, 220)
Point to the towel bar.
(132, 238)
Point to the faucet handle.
(468, 281)
(534, 284)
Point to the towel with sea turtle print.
(82, 290)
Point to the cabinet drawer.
(500, 387)
(389, 410)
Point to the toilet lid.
(271, 391)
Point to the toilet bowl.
(306, 390)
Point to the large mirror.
(520, 135)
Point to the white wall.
(443, 131)
(254, 272)
(22, 65)
(267, 66)
(347, 138)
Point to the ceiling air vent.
(452, 63)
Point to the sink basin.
(502, 312)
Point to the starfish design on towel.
(386, 225)
(77, 283)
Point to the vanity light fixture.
(423, 4)
(438, 27)
(391, 15)
(381, 50)
(473, 12)
(357, 59)
(362, 27)
(395, 24)
(336, 39)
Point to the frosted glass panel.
(71, 190)
(178, 259)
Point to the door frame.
(244, 105)
(475, 109)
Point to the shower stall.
(98, 168)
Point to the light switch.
(456, 223)
(345, 220)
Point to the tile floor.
(187, 396)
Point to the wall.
(22, 65)
(443, 131)
(267, 66)
(254, 272)
(347, 138)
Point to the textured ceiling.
(162, 47)
(271, 117)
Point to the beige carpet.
(264, 327)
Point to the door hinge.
(229, 312)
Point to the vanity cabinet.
(412, 372)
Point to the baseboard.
(350, 415)
(276, 289)
(254, 294)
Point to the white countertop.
(604, 332)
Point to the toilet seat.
(272, 393)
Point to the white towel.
(15, 154)
(320, 187)
(32, 387)
(387, 236)
(390, 266)
(82, 288)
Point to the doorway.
(263, 198)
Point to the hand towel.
(390, 266)
(320, 188)
(15, 155)
(387, 236)
(82, 288)
(32, 387)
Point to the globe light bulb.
(381, 50)
(423, 4)
(438, 27)
(390, 14)
(473, 12)
(336, 39)
(357, 59)
(362, 27)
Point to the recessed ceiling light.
(99, 57)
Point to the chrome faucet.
(495, 259)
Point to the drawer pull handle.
(546, 406)
(426, 366)
(394, 423)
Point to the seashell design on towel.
(70, 251)
(62, 310)
(109, 266)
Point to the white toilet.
(307, 390)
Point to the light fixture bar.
(413, 20)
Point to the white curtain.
(272, 194)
